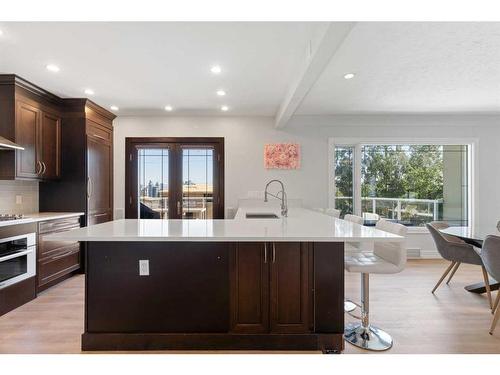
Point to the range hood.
(5, 144)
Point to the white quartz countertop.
(300, 225)
(40, 216)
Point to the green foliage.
(391, 171)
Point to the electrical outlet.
(19, 199)
(144, 267)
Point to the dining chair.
(456, 251)
(490, 254)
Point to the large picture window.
(412, 184)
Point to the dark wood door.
(187, 182)
(249, 272)
(50, 145)
(27, 120)
(99, 180)
(289, 287)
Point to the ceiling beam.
(321, 49)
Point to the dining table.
(474, 237)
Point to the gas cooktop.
(9, 217)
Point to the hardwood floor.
(451, 321)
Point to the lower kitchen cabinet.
(271, 287)
(56, 260)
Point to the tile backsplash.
(27, 190)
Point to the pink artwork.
(282, 156)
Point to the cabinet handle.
(274, 253)
(178, 207)
(265, 252)
(38, 167)
(99, 136)
(44, 167)
(98, 215)
(63, 255)
(89, 187)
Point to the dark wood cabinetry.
(50, 145)
(87, 164)
(68, 146)
(270, 287)
(249, 287)
(214, 295)
(31, 118)
(99, 179)
(56, 260)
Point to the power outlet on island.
(144, 267)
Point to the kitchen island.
(247, 283)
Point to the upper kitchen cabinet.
(87, 163)
(31, 117)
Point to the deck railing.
(399, 208)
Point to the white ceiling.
(411, 67)
(141, 67)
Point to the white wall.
(245, 138)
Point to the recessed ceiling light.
(52, 68)
(216, 69)
(114, 108)
(221, 93)
(349, 75)
(169, 108)
(224, 108)
(89, 91)
(1, 32)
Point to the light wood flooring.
(451, 321)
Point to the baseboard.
(416, 253)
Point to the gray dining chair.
(490, 254)
(457, 252)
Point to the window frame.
(359, 142)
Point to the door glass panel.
(197, 183)
(153, 183)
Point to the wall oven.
(17, 259)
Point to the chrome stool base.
(369, 338)
(349, 306)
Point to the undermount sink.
(255, 215)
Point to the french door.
(174, 178)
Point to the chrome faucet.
(283, 198)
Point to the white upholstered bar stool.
(354, 219)
(387, 258)
(332, 212)
(352, 248)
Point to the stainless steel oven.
(17, 259)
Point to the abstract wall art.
(282, 156)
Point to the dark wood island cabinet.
(214, 295)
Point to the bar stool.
(354, 219)
(350, 248)
(332, 212)
(387, 258)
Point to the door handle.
(274, 253)
(265, 252)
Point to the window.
(412, 184)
